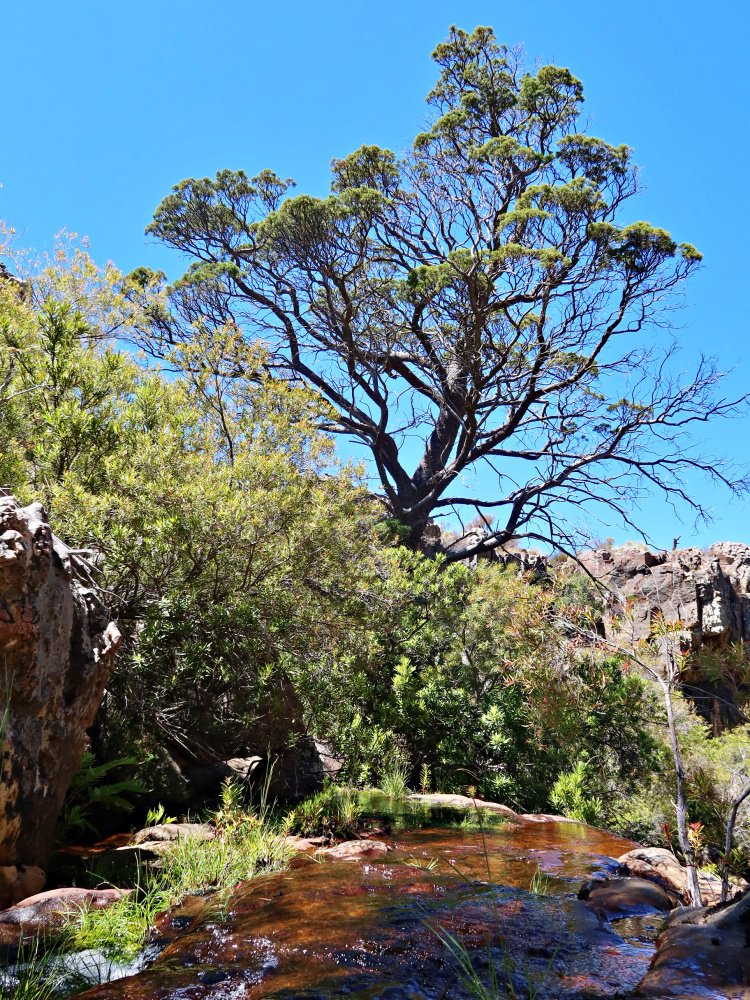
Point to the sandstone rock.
(703, 952)
(446, 801)
(44, 906)
(45, 914)
(707, 593)
(546, 818)
(656, 864)
(19, 881)
(57, 650)
(166, 832)
(353, 850)
(613, 899)
(305, 844)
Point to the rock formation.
(56, 653)
(705, 592)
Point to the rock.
(445, 801)
(44, 906)
(172, 831)
(613, 899)
(656, 864)
(703, 952)
(45, 914)
(546, 818)
(57, 649)
(305, 844)
(353, 850)
(707, 593)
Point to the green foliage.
(247, 850)
(157, 815)
(332, 813)
(93, 793)
(121, 930)
(393, 783)
(466, 673)
(569, 795)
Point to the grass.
(39, 974)
(393, 782)
(331, 813)
(540, 882)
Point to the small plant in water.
(393, 782)
(332, 812)
(425, 779)
(540, 882)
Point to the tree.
(477, 293)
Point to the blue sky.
(105, 106)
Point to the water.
(373, 929)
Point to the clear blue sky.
(106, 105)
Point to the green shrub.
(332, 813)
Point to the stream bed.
(413, 924)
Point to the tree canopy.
(477, 293)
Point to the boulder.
(613, 899)
(703, 952)
(443, 800)
(353, 850)
(44, 915)
(57, 649)
(656, 864)
(166, 832)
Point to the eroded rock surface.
(703, 952)
(706, 593)
(57, 650)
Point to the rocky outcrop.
(703, 952)
(656, 864)
(705, 593)
(56, 653)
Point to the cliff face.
(56, 652)
(707, 592)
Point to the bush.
(332, 813)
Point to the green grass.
(332, 813)
(393, 782)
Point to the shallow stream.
(378, 928)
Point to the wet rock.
(353, 850)
(656, 864)
(613, 899)
(166, 832)
(305, 844)
(443, 801)
(46, 913)
(57, 649)
(703, 952)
